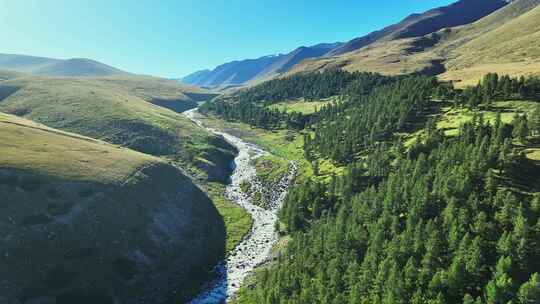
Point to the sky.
(172, 38)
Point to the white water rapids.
(256, 247)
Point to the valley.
(400, 166)
(255, 248)
(57, 184)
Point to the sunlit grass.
(30, 146)
(237, 221)
(285, 145)
(301, 106)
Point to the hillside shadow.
(167, 247)
(524, 175)
(176, 105)
(6, 91)
(201, 278)
(201, 97)
(419, 121)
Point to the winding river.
(256, 247)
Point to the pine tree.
(500, 289)
(468, 299)
(535, 121)
(315, 167)
(491, 183)
(529, 292)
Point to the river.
(256, 247)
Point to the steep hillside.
(416, 25)
(286, 62)
(5, 75)
(119, 110)
(24, 63)
(388, 57)
(505, 42)
(198, 77)
(56, 67)
(236, 72)
(87, 222)
(511, 48)
(241, 72)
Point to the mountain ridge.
(462, 54)
(245, 72)
(420, 24)
(240, 72)
(80, 67)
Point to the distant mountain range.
(56, 67)
(242, 72)
(507, 41)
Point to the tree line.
(251, 105)
(495, 88)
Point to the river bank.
(256, 247)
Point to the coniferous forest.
(445, 219)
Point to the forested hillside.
(251, 105)
(426, 211)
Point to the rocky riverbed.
(256, 247)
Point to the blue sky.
(173, 38)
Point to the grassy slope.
(119, 110)
(301, 106)
(386, 57)
(236, 220)
(512, 48)
(30, 146)
(6, 75)
(505, 42)
(57, 67)
(105, 220)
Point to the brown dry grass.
(506, 42)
